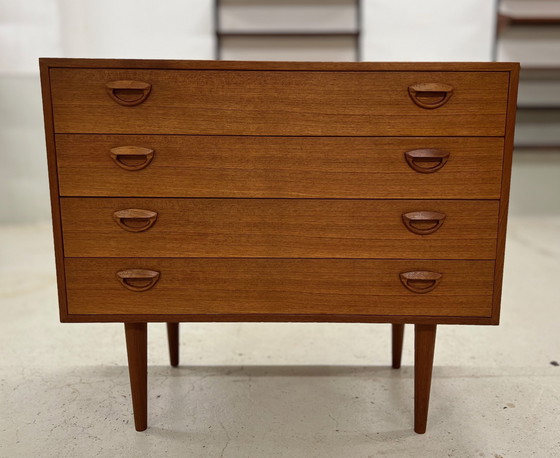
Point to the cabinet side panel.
(504, 198)
(53, 185)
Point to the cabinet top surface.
(286, 66)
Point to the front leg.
(137, 349)
(424, 344)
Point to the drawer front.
(328, 167)
(278, 103)
(308, 228)
(277, 286)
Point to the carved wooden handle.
(420, 281)
(132, 157)
(138, 280)
(426, 160)
(135, 219)
(128, 92)
(424, 222)
(430, 95)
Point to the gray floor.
(290, 390)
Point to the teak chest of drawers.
(269, 191)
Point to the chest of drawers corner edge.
(261, 234)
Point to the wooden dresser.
(269, 191)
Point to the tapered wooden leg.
(137, 349)
(424, 343)
(173, 340)
(397, 339)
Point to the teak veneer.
(189, 191)
(280, 167)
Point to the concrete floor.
(289, 390)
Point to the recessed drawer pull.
(430, 95)
(426, 160)
(138, 279)
(127, 92)
(132, 157)
(420, 281)
(135, 219)
(424, 222)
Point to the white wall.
(428, 30)
(141, 29)
(29, 29)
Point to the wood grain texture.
(166, 64)
(278, 103)
(505, 183)
(308, 228)
(304, 167)
(296, 286)
(458, 181)
(53, 189)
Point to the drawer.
(321, 103)
(294, 167)
(98, 286)
(308, 228)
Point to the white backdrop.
(428, 30)
(437, 30)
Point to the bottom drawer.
(99, 286)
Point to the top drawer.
(231, 102)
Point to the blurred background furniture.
(308, 30)
(528, 31)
